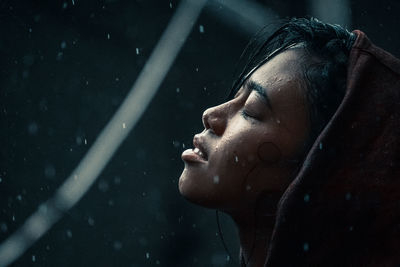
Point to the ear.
(269, 153)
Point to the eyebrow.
(262, 91)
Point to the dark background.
(65, 68)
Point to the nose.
(215, 118)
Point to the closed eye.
(246, 115)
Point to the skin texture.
(251, 149)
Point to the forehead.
(284, 67)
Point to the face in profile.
(250, 144)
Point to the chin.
(194, 193)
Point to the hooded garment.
(343, 208)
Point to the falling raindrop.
(90, 221)
(216, 179)
(69, 234)
(201, 29)
(117, 245)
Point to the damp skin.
(247, 141)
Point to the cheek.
(269, 153)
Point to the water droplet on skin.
(216, 179)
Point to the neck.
(255, 230)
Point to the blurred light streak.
(111, 137)
(331, 11)
(244, 16)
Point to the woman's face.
(249, 143)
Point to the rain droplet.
(306, 247)
(236, 159)
(147, 255)
(69, 234)
(306, 197)
(137, 51)
(33, 258)
(178, 90)
(85, 141)
(123, 125)
(201, 29)
(73, 2)
(117, 245)
(63, 45)
(103, 186)
(49, 171)
(170, 5)
(108, 36)
(320, 146)
(3, 227)
(90, 221)
(216, 179)
(33, 128)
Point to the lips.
(199, 147)
(197, 154)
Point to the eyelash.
(246, 115)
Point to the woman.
(304, 156)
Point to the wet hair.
(327, 48)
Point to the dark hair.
(328, 47)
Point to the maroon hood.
(343, 208)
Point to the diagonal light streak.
(111, 137)
(246, 17)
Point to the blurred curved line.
(111, 137)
